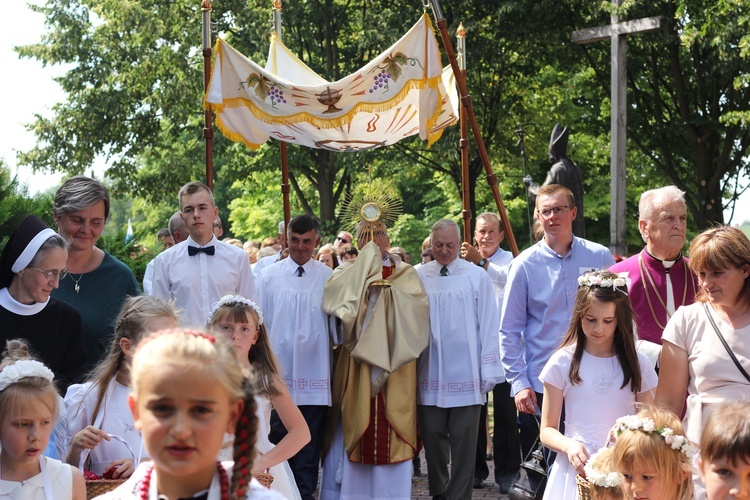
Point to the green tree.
(16, 204)
(135, 89)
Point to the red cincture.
(223, 482)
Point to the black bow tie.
(196, 250)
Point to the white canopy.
(402, 92)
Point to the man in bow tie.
(200, 270)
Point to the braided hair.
(196, 348)
(245, 436)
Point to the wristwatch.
(482, 262)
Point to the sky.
(29, 88)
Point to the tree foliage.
(135, 88)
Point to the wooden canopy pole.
(468, 107)
(463, 144)
(208, 129)
(282, 144)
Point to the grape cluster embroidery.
(381, 81)
(391, 70)
(265, 88)
(276, 95)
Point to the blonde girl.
(604, 481)
(188, 390)
(241, 321)
(28, 410)
(653, 455)
(596, 373)
(100, 425)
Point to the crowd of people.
(242, 362)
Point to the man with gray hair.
(660, 280)
(460, 365)
(179, 233)
(177, 228)
(488, 234)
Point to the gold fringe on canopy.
(402, 92)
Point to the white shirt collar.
(293, 265)
(12, 305)
(192, 242)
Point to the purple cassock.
(648, 291)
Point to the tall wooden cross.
(616, 32)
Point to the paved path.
(420, 490)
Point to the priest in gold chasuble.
(384, 318)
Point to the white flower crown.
(21, 369)
(591, 279)
(646, 425)
(234, 299)
(598, 477)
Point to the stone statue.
(563, 172)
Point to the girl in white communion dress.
(241, 321)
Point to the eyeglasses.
(339, 238)
(548, 212)
(52, 275)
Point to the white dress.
(114, 418)
(591, 407)
(129, 489)
(59, 475)
(283, 478)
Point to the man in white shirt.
(460, 365)
(200, 270)
(179, 233)
(291, 296)
(488, 234)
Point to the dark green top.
(99, 299)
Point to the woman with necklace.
(97, 283)
(31, 267)
(706, 348)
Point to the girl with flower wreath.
(653, 456)
(604, 481)
(100, 425)
(188, 390)
(28, 410)
(240, 320)
(598, 376)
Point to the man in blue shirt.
(539, 298)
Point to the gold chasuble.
(385, 322)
